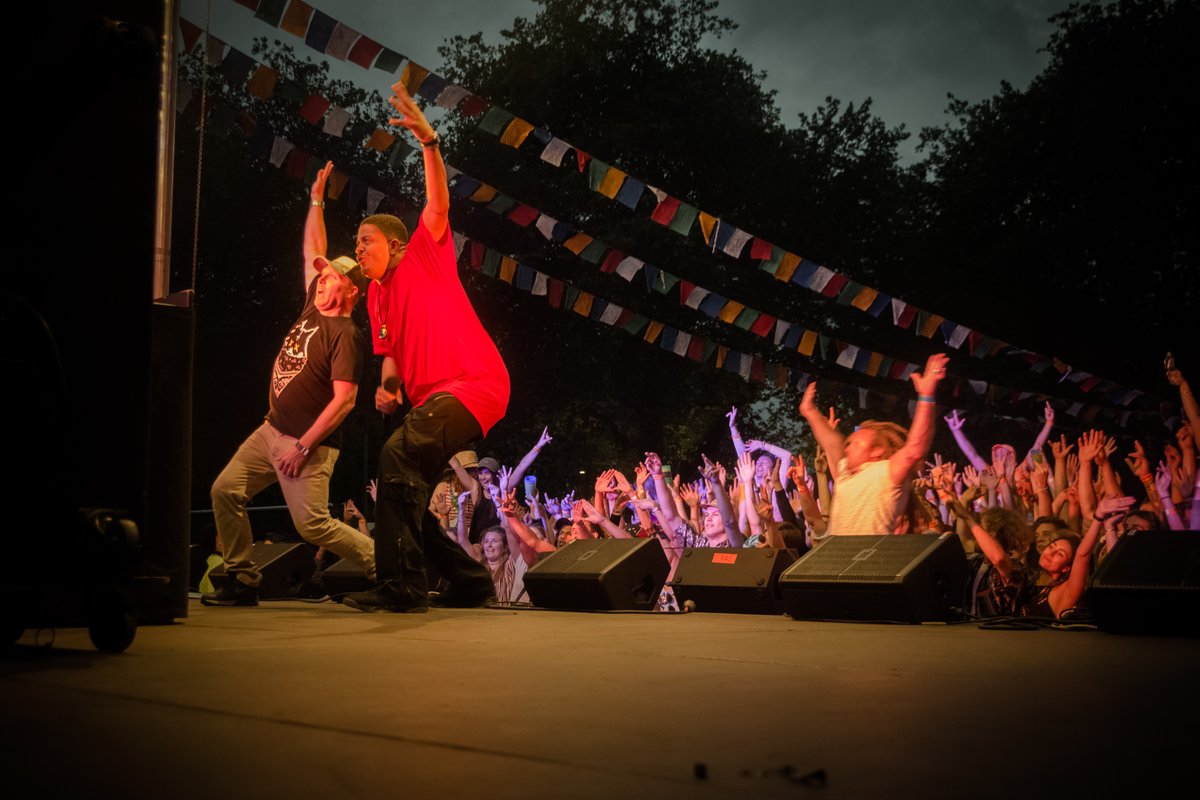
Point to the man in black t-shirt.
(314, 383)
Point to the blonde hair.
(888, 435)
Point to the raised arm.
(1044, 433)
(519, 471)
(739, 446)
(462, 534)
(314, 224)
(823, 429)
(597, 518)
(782, 455)
(955, 422)
(469, 483)
(1162, 484)
(920, 433)
(532, 544)
(745, 471)
(666, 501)
(435, 215)
(715, 480)
(1067, 594)
(1190, 408)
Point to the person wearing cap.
(314, 384)
(437, 353)
(873, 468)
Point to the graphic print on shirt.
(292, 356)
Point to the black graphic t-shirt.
(317, 351)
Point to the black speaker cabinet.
(287, 570)
(1149, 583)
(886, 578)
(343, 578)
(600, 575)
(734, 580)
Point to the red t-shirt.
(433, 333)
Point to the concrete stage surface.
(307, 700)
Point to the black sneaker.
(381, 600)
(232, 593)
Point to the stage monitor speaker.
(600, 575)
(343, 578)
(287, 570)
(734, 580)
(886, 578)
(1149, 583)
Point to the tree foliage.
(1060, 217)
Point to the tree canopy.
(1060, 217)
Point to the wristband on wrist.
(304, 451)
(317, 203)
(434, 142)
(926, 398)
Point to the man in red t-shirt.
(435, 349)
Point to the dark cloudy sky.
(904, 54)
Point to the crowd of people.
(1034, 523)
(454, 529)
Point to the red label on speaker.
(724, 558)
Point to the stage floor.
(300, 700)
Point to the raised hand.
(641, 474)
(1039, 476)
(1113, 506)
(756, 444)
(1162, 479)
(833, 419)
(821, 462)
(690, 493)
(317, 193)
(1090, 445)
(732, 416)
(808, 405)
(1049, 413)
(1172, 457)
(372, 488)
(970, 475)
(589, 511)
(745, 469)
(1072, 467)
(605, 480)
(411, 116)
(654, 464)
(622, 483)
(441, 502)
(989, 479)
(504, 475)
(1137, 461)
(935, 369)
(1060, 449)
(955, 420)
(544, 439)
(508, 505)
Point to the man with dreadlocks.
(873, 467)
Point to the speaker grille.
(865, 559)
